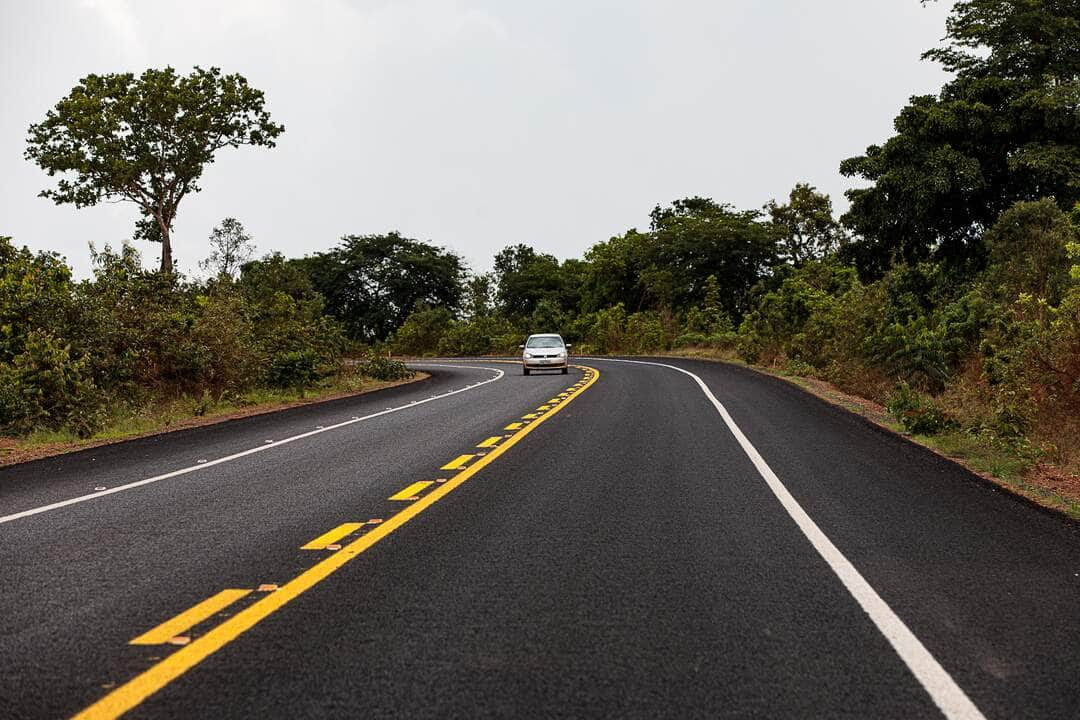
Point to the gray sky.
(476, 124)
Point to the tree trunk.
(166, 249)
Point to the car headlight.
(528, 355)
(562, 353)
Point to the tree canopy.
(146, 140)
(1005, 129)
(372, 282)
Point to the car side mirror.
(568, 346)
(521, 347)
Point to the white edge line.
(260, 448)
(943, 690)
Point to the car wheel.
(524, 371)
(565, 370)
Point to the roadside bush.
(423, 331)
(693, 339)
(46, 387)
(296, 369)
(644, 334)
(793, 320)
(378, 367)
(36, 292)
(918, 413)
(607, 331)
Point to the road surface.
(681, 539)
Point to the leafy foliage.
(372, 282)
(1004, 130)
(74, 354)
(146, 140)
(379, 367)
(230, 247)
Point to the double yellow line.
(139, 688)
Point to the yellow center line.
(142, 686)
(412, 491)
(491, 441)
(189, 618)
(457, 463)
(329, 538)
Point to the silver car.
(545, 351)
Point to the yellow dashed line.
(411, 492)
(514, 426)
(132, 693)
(329, 538)
(491, 441)
(457, 463)
(531, 416)
(188, 619)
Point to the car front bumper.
(545, 363)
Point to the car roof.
(545, 335)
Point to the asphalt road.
(631, 549)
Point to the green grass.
(1001, 462)
(160, 416)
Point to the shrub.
(46, 387)
(917, 412)
(384, 368)
(297, 369)
(692, 339)
(644, 333)
(423, 331)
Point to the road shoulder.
(15, 451)
(1043, 486)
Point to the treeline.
(75, 356)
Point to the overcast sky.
(477, 124)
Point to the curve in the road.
(946, 694)
(269, 445)
(132, 693)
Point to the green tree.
(524, 277)
(423, 330)
(230, 247)
(479, 295)
(1028, 252)
(806, 228)
(146, 140)
(372, 282)
(1004, 129)
(36, 291)
(695, 238)
(612, 272)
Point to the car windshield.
(544, 342)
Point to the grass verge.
(187, 412)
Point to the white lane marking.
(946, 694)
(261, 448)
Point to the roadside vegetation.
(131, 348)
(948, 292)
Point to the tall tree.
(146, 140)
(372, 282)
(523, 278)
(1004, 129)
(805, 225)
(694, 238)
(479, 291)
(230, 247)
